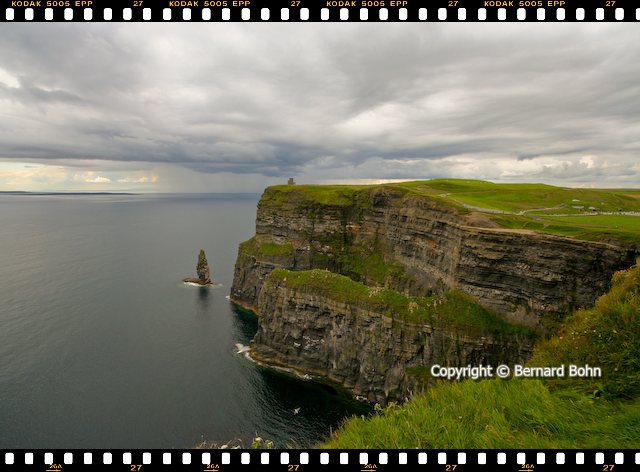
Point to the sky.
(237, 107)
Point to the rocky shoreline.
(196, 281)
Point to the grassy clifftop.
(589, 214)
(496, 414)
(560, 413)
(451, 310)
(511, 198)
(607, 335)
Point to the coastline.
(307, 376)
(243, 305)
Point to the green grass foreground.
(606, 335)
(452, 310)
(519, 413)
(495, 414)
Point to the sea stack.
(202, 269)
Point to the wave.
(246, 350)
(242, 349)
(194, 284)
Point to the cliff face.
(364, 349)
(420, 274)
(418, 245)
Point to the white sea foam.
(213, 285)
(193, 284)
(246, 350)
(242, 348)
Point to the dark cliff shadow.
(245, 324)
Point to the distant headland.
(74, 194)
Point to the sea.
(103, 346)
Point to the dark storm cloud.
(327, 101)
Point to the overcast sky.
(236, 107)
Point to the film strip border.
(320, 460)
(318, 10)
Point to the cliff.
(370, 286)
(377, 343)
(419, 244)
(549, 413)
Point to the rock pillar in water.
(204, 276)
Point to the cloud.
(18, 176)
(98, 180)
(139, 180)
(43, 177)
(8, 80)
(90, 177)
(360, 101)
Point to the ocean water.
(102, 346)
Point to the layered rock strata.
(418, 245)
(365, 350)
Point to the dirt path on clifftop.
(495, 211)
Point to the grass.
(634, 192)
(606, 336)
(621, 228)
(504, 197)
(273, 249)
(525, 413)
(537, 201)
(518, 197)
(492, 414)
(605, 222)
(249, 246)
(368, 264)
(325, 195)
(270, 249)
(451, 310)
